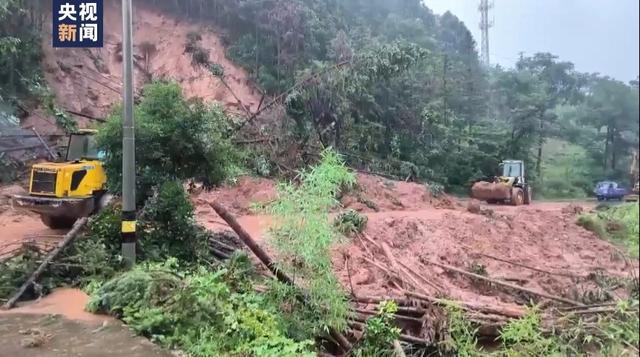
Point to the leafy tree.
(20, 51)
(175, 139)
(611, 109)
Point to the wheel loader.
(62, 192)
(511, 187)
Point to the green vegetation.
(350, 222)
(524, 337)
(461, 338)
(568, 171)
(616, 223)
(175, 139)
(303, 236)
(379, 333)
(399, 90)
(614, 334)
(159, 301)
(20, 52)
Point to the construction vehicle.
(511, 187)
(634, 173)
(62, 192)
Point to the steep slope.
(89, 81)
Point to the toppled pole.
(68, 239)
(268, 262)
(250, 243)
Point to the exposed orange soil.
(418, 227)
(89, 81)
(543, 235)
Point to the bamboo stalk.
(569, 275)
(505, 284)
(470, 306)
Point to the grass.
(618, 224)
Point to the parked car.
(609, 190)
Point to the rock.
(572, 209)
(473, 206)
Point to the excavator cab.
(62, 192)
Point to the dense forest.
(399, 90)
(414, 97)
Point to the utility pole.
(485, 25)
(128, 230)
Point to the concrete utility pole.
(128, 142)
(485, 25)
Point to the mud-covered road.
(417, 228)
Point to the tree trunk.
(605, 160)
(539, 156)
(613, 149)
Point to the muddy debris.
(573, 209)
(8, 191)
(35, 338)
(474, 207)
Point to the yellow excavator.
(62, 192)
(511, 187)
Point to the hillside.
(89, 81)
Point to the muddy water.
(67, 302)
(17, 226)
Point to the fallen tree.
(68, 239)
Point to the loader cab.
(83, 146)
(514, 169)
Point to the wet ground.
(38, 335)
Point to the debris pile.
(432, 258)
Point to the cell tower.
(485, 24)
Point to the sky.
(596, 35)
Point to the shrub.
(435, 189)
(617, 223)
(158, 301)
(216, 69)
(524, 337)
(169, 229)
(461, 337)
(379, 333)
(350, 222)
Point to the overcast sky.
(596, 35)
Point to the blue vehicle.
(609, 190)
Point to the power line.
(485, 25)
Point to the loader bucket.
(491, 191)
